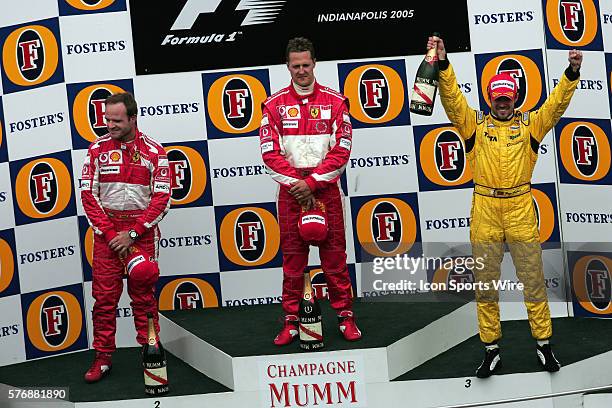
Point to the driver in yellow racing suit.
(502, 149)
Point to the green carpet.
(124, 382)
(574, 339)
(249, 330)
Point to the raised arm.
(543, 119)
(457, 109)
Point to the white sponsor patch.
(130, 266)
(502, 83)
(162, 161)
(307, 219)
(264, 120)
(345, 143)
(85, 184)
(326, 112)
(346, 118)
(110, 170)
(267, 147)
(290, 124)
(161, 187)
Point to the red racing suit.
(309, 137)
(123, 186)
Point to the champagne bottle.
(154, 363)
(426, 84)
(311, 328)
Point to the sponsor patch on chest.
(110, 170)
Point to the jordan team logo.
(385, 226)
(54, 322)
(43, 188)
(442, 155)
(249, 237)
(591, 282)
(233, 102)
(193, 292)
(30, 56)
(190, 178)
(87, 109)
(376, 92)
(584, 150)
(573, 24)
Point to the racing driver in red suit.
(125, 191)
(305, 138)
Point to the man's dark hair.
(300, 44)
(125, 98)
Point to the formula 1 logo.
(442, 155)
(591, 283)
(249, 237)
(584, 150)
(75, 7)
(526, 67)
(376, 92)
(190, 177)
(43, 188)
(30, 56)
(193, 292)
(259, 12)
(54, 322)
(573, 24)
(385, 226)
(87, 109)
(233, 102)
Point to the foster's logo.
(30, 56)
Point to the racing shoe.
(100, 367)
(547, 358)
(491, 363)
(288, 332)
(347, 325)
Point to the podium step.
(574, 339)
(124, 382)
(248, 331)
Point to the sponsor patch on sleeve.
(162, 161)
(346, 118)
(267, 147)
(161, 187)
(345, 143)
(264, 120)
(85, 184)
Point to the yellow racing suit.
(502, 155)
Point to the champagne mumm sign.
(313, 382)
